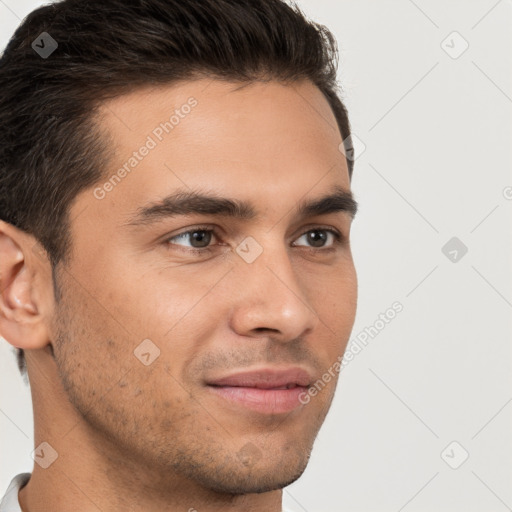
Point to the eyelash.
(339, 239)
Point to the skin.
(135, 437)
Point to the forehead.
(267, 140)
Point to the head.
(153, 122)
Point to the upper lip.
(265, 378)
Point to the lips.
(266, 391)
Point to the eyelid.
(339, 236)
(209, 228)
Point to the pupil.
(203, 237)
(315, 241)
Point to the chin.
(253, 483)
(254, 477)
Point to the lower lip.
(266, 401)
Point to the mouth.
(265, 391)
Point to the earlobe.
(21, 321)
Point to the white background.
(434, 163)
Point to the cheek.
(158, 302)
(96, 339)
(335, 297)
(102, 376)
(335, 301)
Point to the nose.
(270, 299)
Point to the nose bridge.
(271, 295)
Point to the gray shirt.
(10, 501)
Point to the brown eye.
(319, 237)
(200, 238)
(197, 239)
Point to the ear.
(26, 289)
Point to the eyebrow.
(186, 202)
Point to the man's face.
(163, 339)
